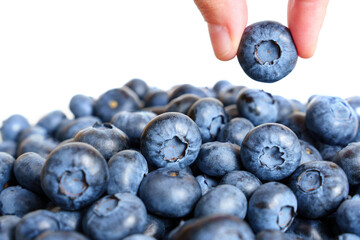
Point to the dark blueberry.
(81, 105)
(257, 106)
(35, 223)
(206, 183)
(271, 235)
(235, 131)
(309, 229)
(223, 199)
(138, 237)
(182, 103)
(38, 144)
(209, 115)
(105, 137)
(348, 159)
(171, 139)
(27, 170)
(155, 227)
(116, 100)
(309, 153)
(296, 122)
(115, 217)
(267, 52)
(7, 226)
(139, 87)
(243, 180)
(61, 235)
(18, 201)
(157, 110)
(74, 175)
(272, 206)
(12, 126)
(69, 220)
(332, 120)
(213, 227)
(221, 85)
(169, 193)
(133, 124)
(319, 187)
(177, 91)
(229, 95)
(285, 108)
(127, 169)
(32, 130)
(348, 216)
(51, 121)
(156, 98)
(271, 151)
(328, 152)
(217, 158)
(231, 111)
(68, 129)
(348, 236)
(9, 147)
(6, 168)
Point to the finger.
(305, 18)
(226, 20)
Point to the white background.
(52, 50)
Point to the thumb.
(226, 20)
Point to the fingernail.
(221, 41)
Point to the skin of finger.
(305, 18)
(232, 14)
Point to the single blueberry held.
(271, 151)
(235, 131)
(331, 120)
(106, 138)
(217, 158)
(348, 216)
(81, 105)
(7, 226)
(6, 168)
(74, 175)
(257, 106)
(61, 235)
(171, 139)
(320, 187)
(169, 192)
(209, 114)
(272, 206)
(243, 180)
(267, 52)
(115, 217)
(223, 199)
(348, 159)
(213, 227)
(127, 169)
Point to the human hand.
(227, 20)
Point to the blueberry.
(169, 192)
(171, 139)
(328, 152)
(243, 180)
(228, 96)
(116, 100)
(348, 216)
(7, 226)
(133, 124)
(235, 131)
(74, 175)
(206, 183)
(15, 200)
(182, 103)
(30, 131)
(139, 86)
(179, 90)
(272, 206)
(213, 227)
(309, 153)
(297, 105)
(305, 228)
(61, 235)
(223, 199)
(217, 158)
(6, 168)
(127, 169)
(320, 187)
(35, 223)
(331, 120)
(68, 129)
(156, 227)
(69, 220)
(156, 98)
(9, 147)
(231, 111)
(38, 144)
(51, 121)
(138, 237)
(81, 105)
(271, 235)
(296, 122)
(12, 126)
(115, 217)
(27, 170)
(257, 106)
(285, 108)
(271, 151)
(221, 85)
(267, 52)
(106, 138)
(348, 159)
(209, 115)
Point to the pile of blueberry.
(140, 163)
